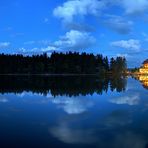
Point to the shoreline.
(49, 75)
(69, 75)
(138, 74)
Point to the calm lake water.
(73, 112)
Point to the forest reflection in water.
(73, 111)
(62, 85)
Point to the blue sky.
(109, 27)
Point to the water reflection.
(118, 118)
(113, 132)
(3, 99)
(130, 100)
(74, 105)
(73, 136)
(59, 86)
(144, 80)
(73, 112)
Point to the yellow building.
(144, 68)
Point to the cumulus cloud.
(4, 45)
(73, 8)
(36, 50)
(72, 40)
(119, 24)
(46, 20)
(132, 7)
(49, 49)
(80, 27)
(75, 40)
(130, 44)
(135, 7)
(129, 100)
(124, 55)
(145, 35)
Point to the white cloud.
(123, 55)
(129, 100)
(128, 44)
(145, 35)
(75, 40)
(119, 24)
(22, 50)
(35, 50)
(72, 40)
(16, 34)
(29, 42)
(73, 8)
(80, 27)
(40, 42)
(49, 49)
(4, 45)
(132, 7)
(135, 7)
(46, 20)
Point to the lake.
(73, 112)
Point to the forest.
(61, 63)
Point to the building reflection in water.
(144, 80)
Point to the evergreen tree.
(61, 63)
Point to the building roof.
(145, 62)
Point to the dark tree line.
(61, 63)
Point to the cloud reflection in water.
(129, 100)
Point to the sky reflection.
(112, 119)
